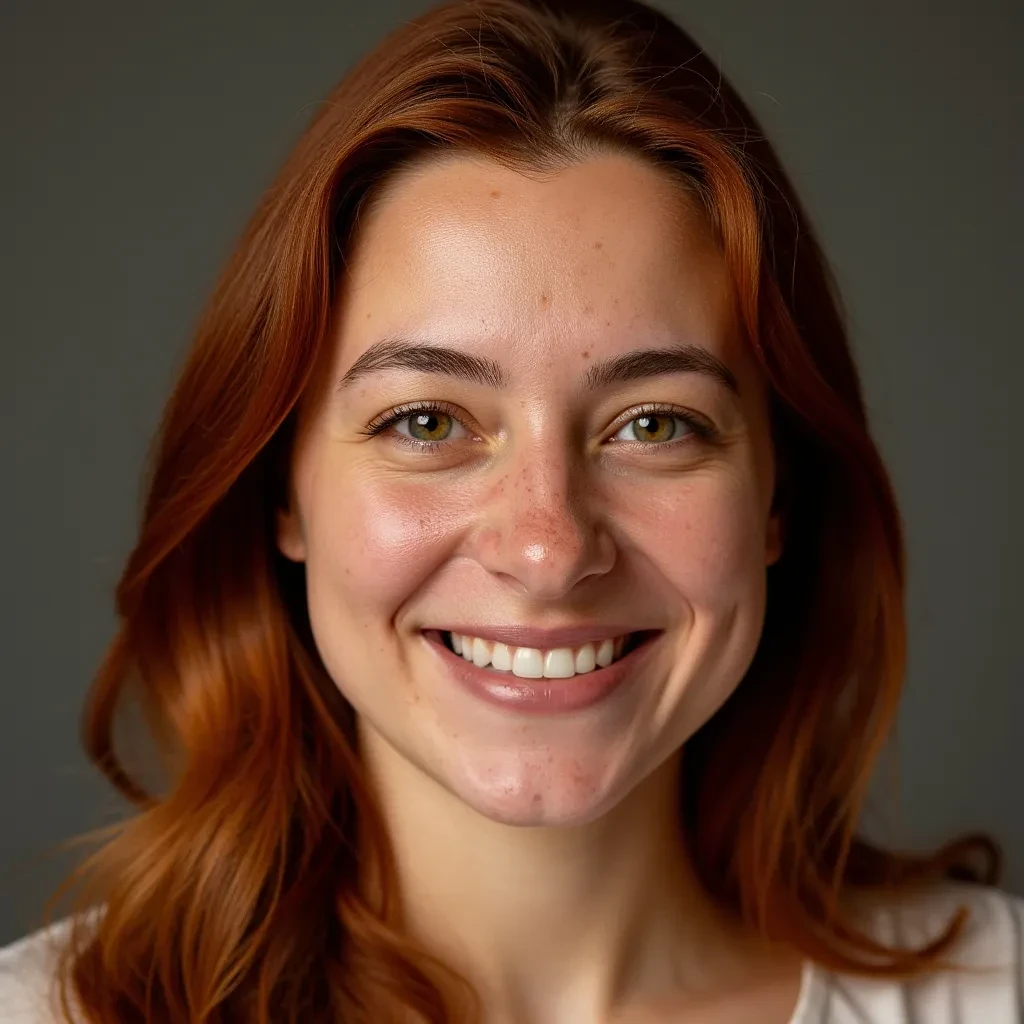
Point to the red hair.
(233, 894)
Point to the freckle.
(495, 194)
(536, 798)
(544, 300)
(607, 323)
(585, 354)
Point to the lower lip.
(539, 696)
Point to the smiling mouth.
(534, 663)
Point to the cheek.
(374, 542)
(704, 536)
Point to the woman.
(517, 606)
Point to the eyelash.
(701, 427)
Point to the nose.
(538, 530)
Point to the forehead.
(607, 254)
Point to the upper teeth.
(531, 663)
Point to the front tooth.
(605, 653)
(467, 648)
(501, 658)
(456, 643)
(586, 658)
(528, 663)
(558, 664)
(481, 652)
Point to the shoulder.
(992, 931)
(990, 990)
(27, 978)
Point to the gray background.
(138, 138)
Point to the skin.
(539, 854)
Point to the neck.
(581, 922)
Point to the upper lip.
(544, 639)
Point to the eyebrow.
(398, 353)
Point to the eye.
(429, 425)
(656, 428)
(424, 427)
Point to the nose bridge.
(540, 529)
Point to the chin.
(537, 789)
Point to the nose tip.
(546, 551)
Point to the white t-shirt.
(992, 939)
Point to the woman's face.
(558, 479)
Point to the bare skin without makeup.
(535, 509)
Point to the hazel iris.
(653, 428)
(430, 426)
